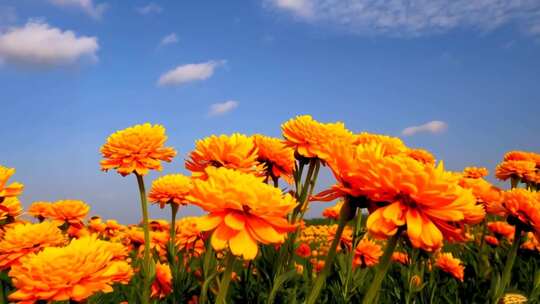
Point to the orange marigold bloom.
(491, 240)
(345, 240)
(237, 152)
(276, 156)
(514, 169)
(523, 209)
(421, 155)
(171, 188)
(333, 212)
(75, 272)
(391, 145)
(501, 229)
(96, 224)
(11, 208)
(367, 253)
(6, 190)
(40, 210)
(309, 137)
(188, 236)
(72, 212)
(303, 251)
(400, 257)
(136, 149)
(243, 211)
(531, 243)
(486, 194)
(475, 172)
(20, 240)
(519, 155)
(451, 265)
(162, 285)
(159, 225)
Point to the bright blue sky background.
(475, 68)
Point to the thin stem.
(2, 296)
(483, 236)
(225, 279)
(384, 264)
(146, 257)
(344, 216)
(507, 272)
(358, 219)
(172, 247)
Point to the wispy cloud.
(150, 8)
(88, 6)
(39, 44)
(435, 127)
(169, 39)
(189, 73)
(414, 17)
(222, 108)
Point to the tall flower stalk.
(147, 263)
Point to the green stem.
(147, 276)
(173, 254)
(2, 295)
(482, 241)
(350, 269)
(507, 272)
(225, 279)
(384, 264)
(344, 217)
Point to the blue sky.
(74, 71)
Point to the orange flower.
(171, 188)
(6, 190)
(309, 137)
(71, 212)
(234, 152)
(523, 209)
(531, 243)
(475, 172)
(451, 265)
(514, 169)
(276, 156)
(136, 149)
(243, 211)
(162, 285)
(333, 212)
(491, 240)
(159, 225)
(520, 155)
(501, 229)
(11, 209)
(40, 210)
(486, 194)
(391, 145)
(188, 236)
(75, 272)
(20, 240)
(400, 257)
(95, 224)
(345, 240)
(367, 253)
(303, 251)
(422, 156)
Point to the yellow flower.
(6, 190)
(188, 236)
(276, 156)
(421, 155)
(234, 152)
(451, 265)
(243, 211)
(171, 189)
(390, 145)
(75, 272)
(136, 149)
(20, 240)
(10, 209)
(309, 137)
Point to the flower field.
(398, 227)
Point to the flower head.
(400, 257)
(72, 212)
(188, 236)
(309, 137)
(136, 149)
(392, 146)
(20, 240)
(523, 208)
(171, 189)
(10, 209)
(237, 152)
(367, 253)
(501, 229)
(421, 155)
(451, 265)
(475, 172)
(303, 250)
(75, 272)
(6, 190)
(243, 211)
(518, 169)
(40, 210)
(276, 156)
(333, 212)
(162, 285)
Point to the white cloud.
(88, 6)
(414, 17)
(169, 39)
(37, 43)
(435, 127)
(189, 72)
(222, 108)
(150, 8)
